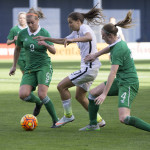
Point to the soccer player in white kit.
(85, 38)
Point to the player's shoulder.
(14, 28)
(84, 26)
(43, 30)
(120, 48)
(23, 31)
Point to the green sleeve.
(11, 34)
(19, 42)
(117, 58)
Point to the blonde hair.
(20, 13)
(126, 23)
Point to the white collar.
(36, 32)
(119, 39)
(20, 27)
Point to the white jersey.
(86, 47)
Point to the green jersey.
(121, 55)
(36, 55)
(14, 32)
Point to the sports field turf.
(114, 136)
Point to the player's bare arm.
(50, 48)
(86, 38)
(54, 40)
(12, 41)
(16, 56)
(100, 99)
(92, 57)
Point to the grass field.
(114, 136)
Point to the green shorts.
(42, 75)
(21, 64)
(125, 93)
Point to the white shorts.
(84, 77)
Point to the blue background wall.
(141, 31)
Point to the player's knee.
(59, 87)
(23, 95)
(78, 98)
(42, 95)
(91, 96)
(122, 118)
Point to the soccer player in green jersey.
(13, 35)
(122, 80)
(38, 70)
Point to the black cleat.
(37, 109)
(54, 125)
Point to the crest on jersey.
(26, 39)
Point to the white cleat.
(90, 128)
(64, 120)
(102, 123)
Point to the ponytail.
(94, 16)
(127, 22)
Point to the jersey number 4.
(123, 96)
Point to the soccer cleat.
(90, 128)
(54, 125)
(64, 120)
(37, 109)
(102, 123)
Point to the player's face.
(74, 25)
(105, 37)
(32, 23)
(22, 19)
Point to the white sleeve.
(71, 36)
(84, 29)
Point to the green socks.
(93, 109)
(50, 108)
(138, 123)
(33, 99)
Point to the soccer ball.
(29, 122)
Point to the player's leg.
(126, 96)
(27, 85)
(24, 92)
(44, 76)
(81, 98)
(63, 88)
(42, 92)
(93, 109)
(124, 117)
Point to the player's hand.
(100, 99)
(42, 43)
(12, 71)
(15, 38)
(67, 42)
(90, 58)
(39, 38)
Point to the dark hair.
(126, 23)
(94, 16)
(38, 13)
